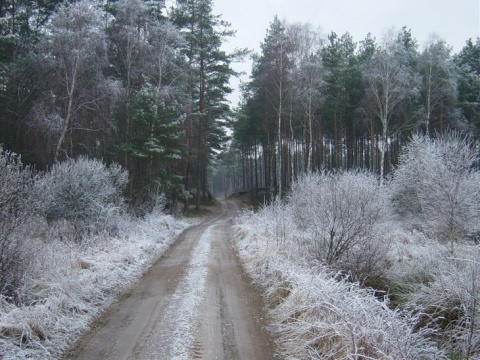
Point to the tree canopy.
(329, 102)
(132, 82)
(124, 81)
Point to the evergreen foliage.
(347, 105)
(121, 102)
(120, 81)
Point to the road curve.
(194, 303)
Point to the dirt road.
(194, 303)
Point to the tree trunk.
(383, 149)
(68, 116)
(279, 145)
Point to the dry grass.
(69, 284)
(319, 314)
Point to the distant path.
(194, 303)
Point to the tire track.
(173, 337)
(194, 303)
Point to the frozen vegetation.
(68, 248)
(352, 269)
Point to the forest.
(359, 161)
(316, 102)
(129, 82)
(357, 270)
(364, 159)
(117, 81)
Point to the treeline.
(355, 269)
(333, 103)
(123, 81)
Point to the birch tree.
(308, 80)
(439, 86)
(389, 81)
(437, 186)
(75, 53)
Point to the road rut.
(194, 303)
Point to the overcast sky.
(454, 20)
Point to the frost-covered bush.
(15, 190)
(442, 289)
(69, 284)
(343, 215)
(280, 226)
(338, 320)
(437, 187)
(430, 308)
(451, 304)
(318, 315)
(413, 260)
(84, 192)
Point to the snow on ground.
(181, 316)
(70, 284)
(189, 296)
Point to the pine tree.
(342, 87)
(21, 26)
(209, 73)
(468, 63)
(271, 80)
(145, 50)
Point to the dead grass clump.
(278, 295)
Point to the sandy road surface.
(194, 303)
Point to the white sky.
(453, 20)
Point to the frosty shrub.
(451, 304)
(70, 284)
(441, 289)
(318, 315)
(414, 259)
(152, 200)
(84, 192)
(437, 187)
(15, 188)
(343, 216)
(278, 222)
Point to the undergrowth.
(320, 314)
(419, 300)
(68, 284)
